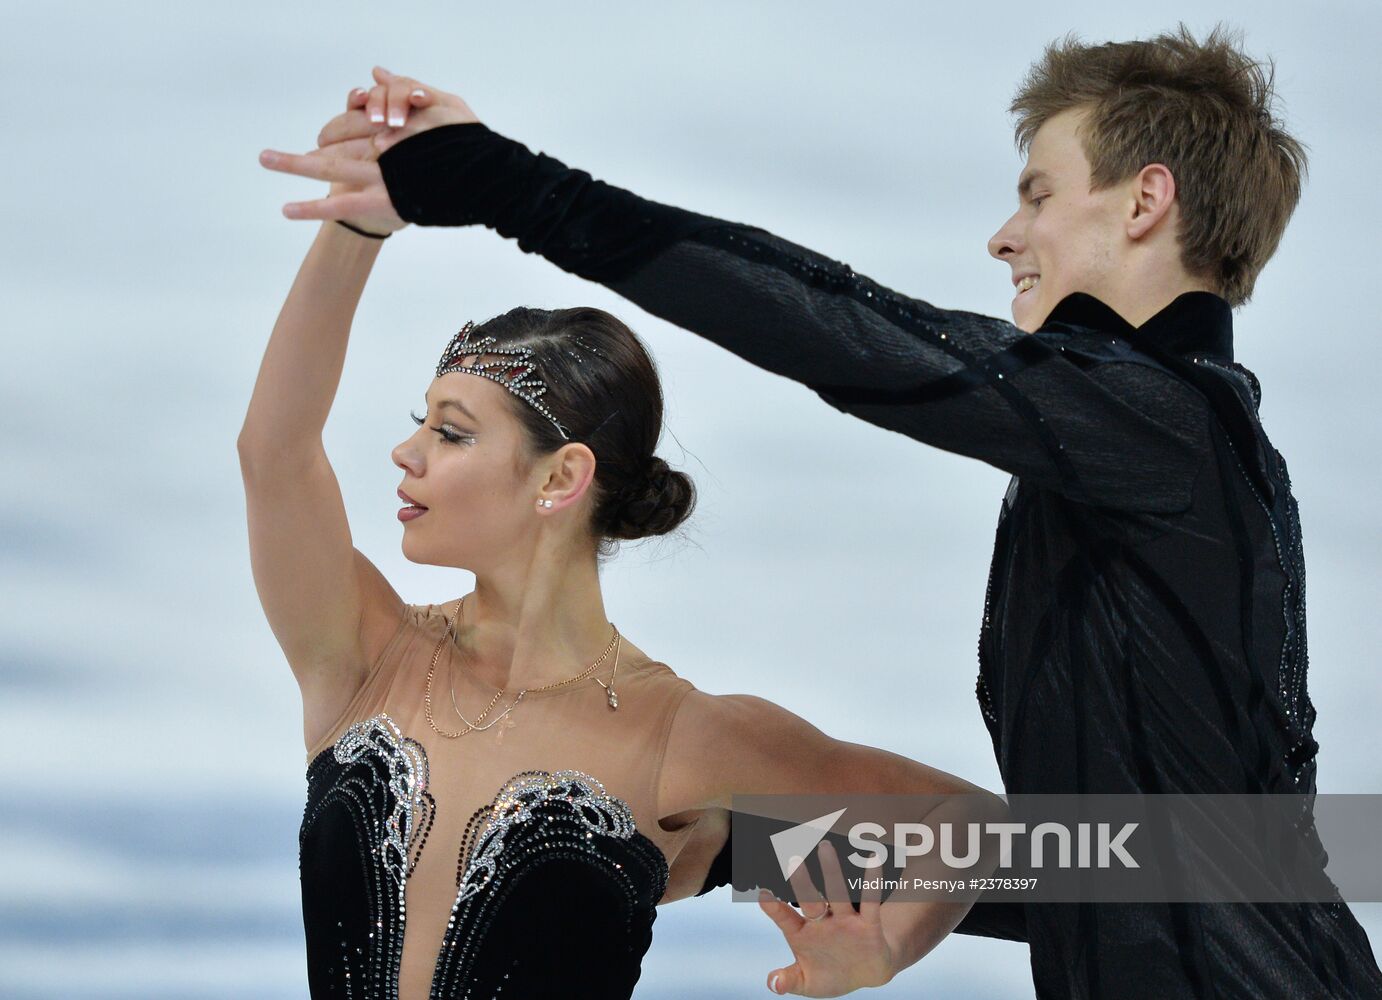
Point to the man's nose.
(1006, 241)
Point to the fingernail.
(396, 121)
(376, 116)
(419, 94)
(772, 982)
(793, 861)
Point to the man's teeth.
(1028, 282)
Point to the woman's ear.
(569, 472)
(1153, 191)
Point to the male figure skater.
(1144, 628)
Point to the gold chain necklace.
(616, 642)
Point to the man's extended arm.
(1117, 435)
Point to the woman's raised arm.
(329, 607)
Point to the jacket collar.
(1193, 323)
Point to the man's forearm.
(461, 175)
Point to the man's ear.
(570, 471)
(1153, 191)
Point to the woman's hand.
(837, 950)
(357, 194)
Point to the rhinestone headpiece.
(519, 376)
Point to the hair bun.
(656, 471)
(655, 503)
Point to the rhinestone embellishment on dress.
(483, 842)
(370, 792)
(407, 765)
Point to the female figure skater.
(502, 787)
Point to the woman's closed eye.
(445, 430)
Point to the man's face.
(1065, 237)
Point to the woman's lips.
(414, 509)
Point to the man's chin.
(1024, 316)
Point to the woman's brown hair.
(603, 387)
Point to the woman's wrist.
(345, 249)
(362, 232)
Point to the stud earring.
(544, 503)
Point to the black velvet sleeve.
(1126, 436)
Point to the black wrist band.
(355, 229)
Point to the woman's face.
(466, 463)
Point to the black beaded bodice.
(556, 891)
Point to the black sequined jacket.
(1144, 626)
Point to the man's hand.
(837, 950)
(395, 108)
(349, 146)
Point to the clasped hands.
(837, 949)
(349, 145)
